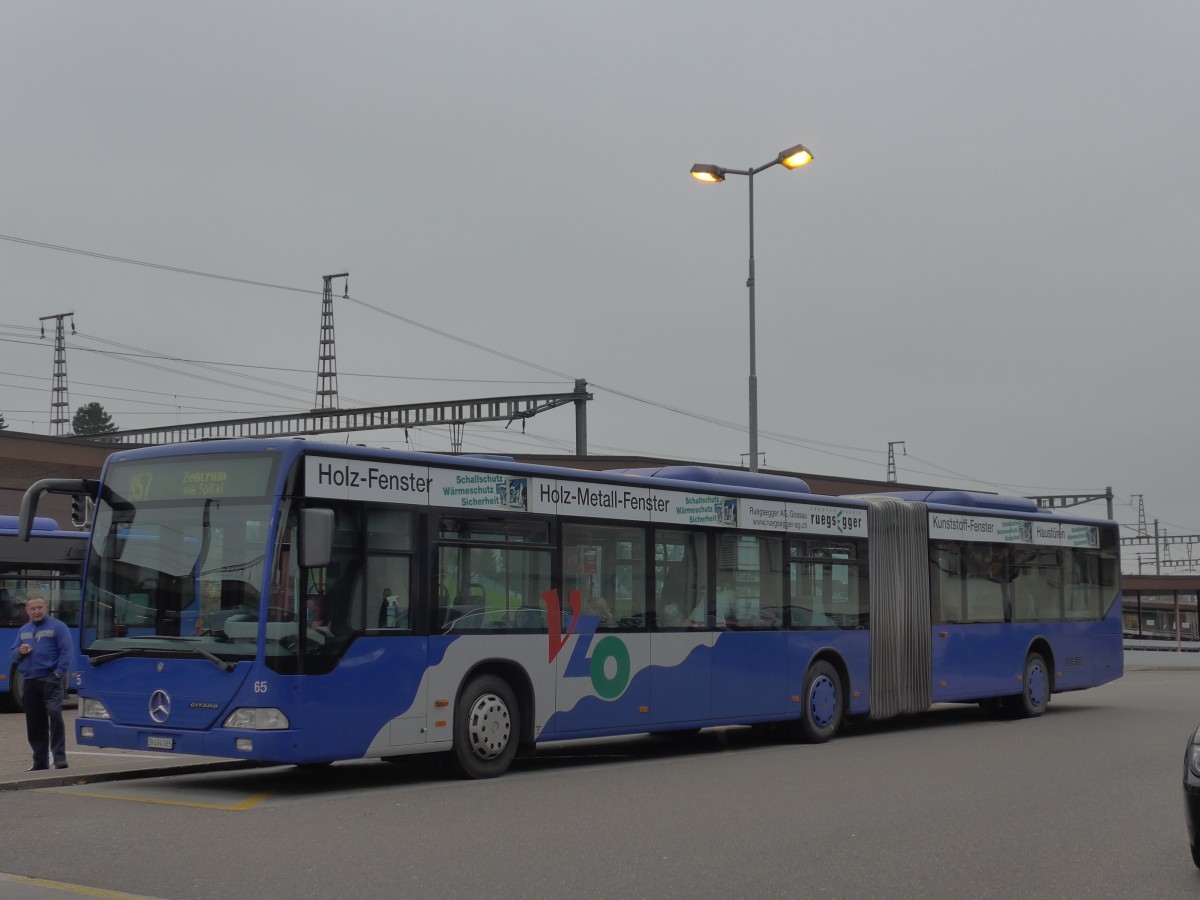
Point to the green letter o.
(610, 688)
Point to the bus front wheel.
(1035, 689)
(486, 728)
(823, 702)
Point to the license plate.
(160, 743)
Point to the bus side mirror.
(316, 538)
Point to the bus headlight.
(90, 708)
(257, 719)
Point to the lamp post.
(792, 158)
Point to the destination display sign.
(191, 478)
(380, 482)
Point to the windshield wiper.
(119, 654)
(223, 664)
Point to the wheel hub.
(1036, 686)
(822, 701)
(489, 726)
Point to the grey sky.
(991, 257)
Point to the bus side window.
(344, 601)
(1083, 583)
(986, 580)
(6, 609)
(945, 558)
(682, 583)
(749, 581)
(605, 564)
(390, 536)
(1035, 584)
(388, 592)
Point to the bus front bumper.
(281, 746)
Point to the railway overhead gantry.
(453, 413)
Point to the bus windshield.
(172, 571)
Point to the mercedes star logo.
(160, 706)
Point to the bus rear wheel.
(824, 705)
(1035, 690)
(486, 728)
(12, 701)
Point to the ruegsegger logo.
(839, 521)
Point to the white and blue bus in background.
(298, 602)
(50, 564)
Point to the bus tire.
(824, 705)
(1035, 690)
(486, 728)
(12, 701)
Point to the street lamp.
(792, 158)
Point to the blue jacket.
(51, 655)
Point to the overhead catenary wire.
(794, 441)
(132, 354)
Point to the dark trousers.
(43, 699)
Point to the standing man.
(43, 650)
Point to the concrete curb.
(63, 778)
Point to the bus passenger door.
(681, 638)
(603, 648)
(749, 673)
(973, 646)
(603, 683)
(749, 658)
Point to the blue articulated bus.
(298, 602)
(49, 565)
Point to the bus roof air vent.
(970, 499)
(714, 475)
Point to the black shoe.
(37, 768)
(60, 764)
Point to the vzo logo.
(580, 665)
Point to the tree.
(3, 424)
(92, 419)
